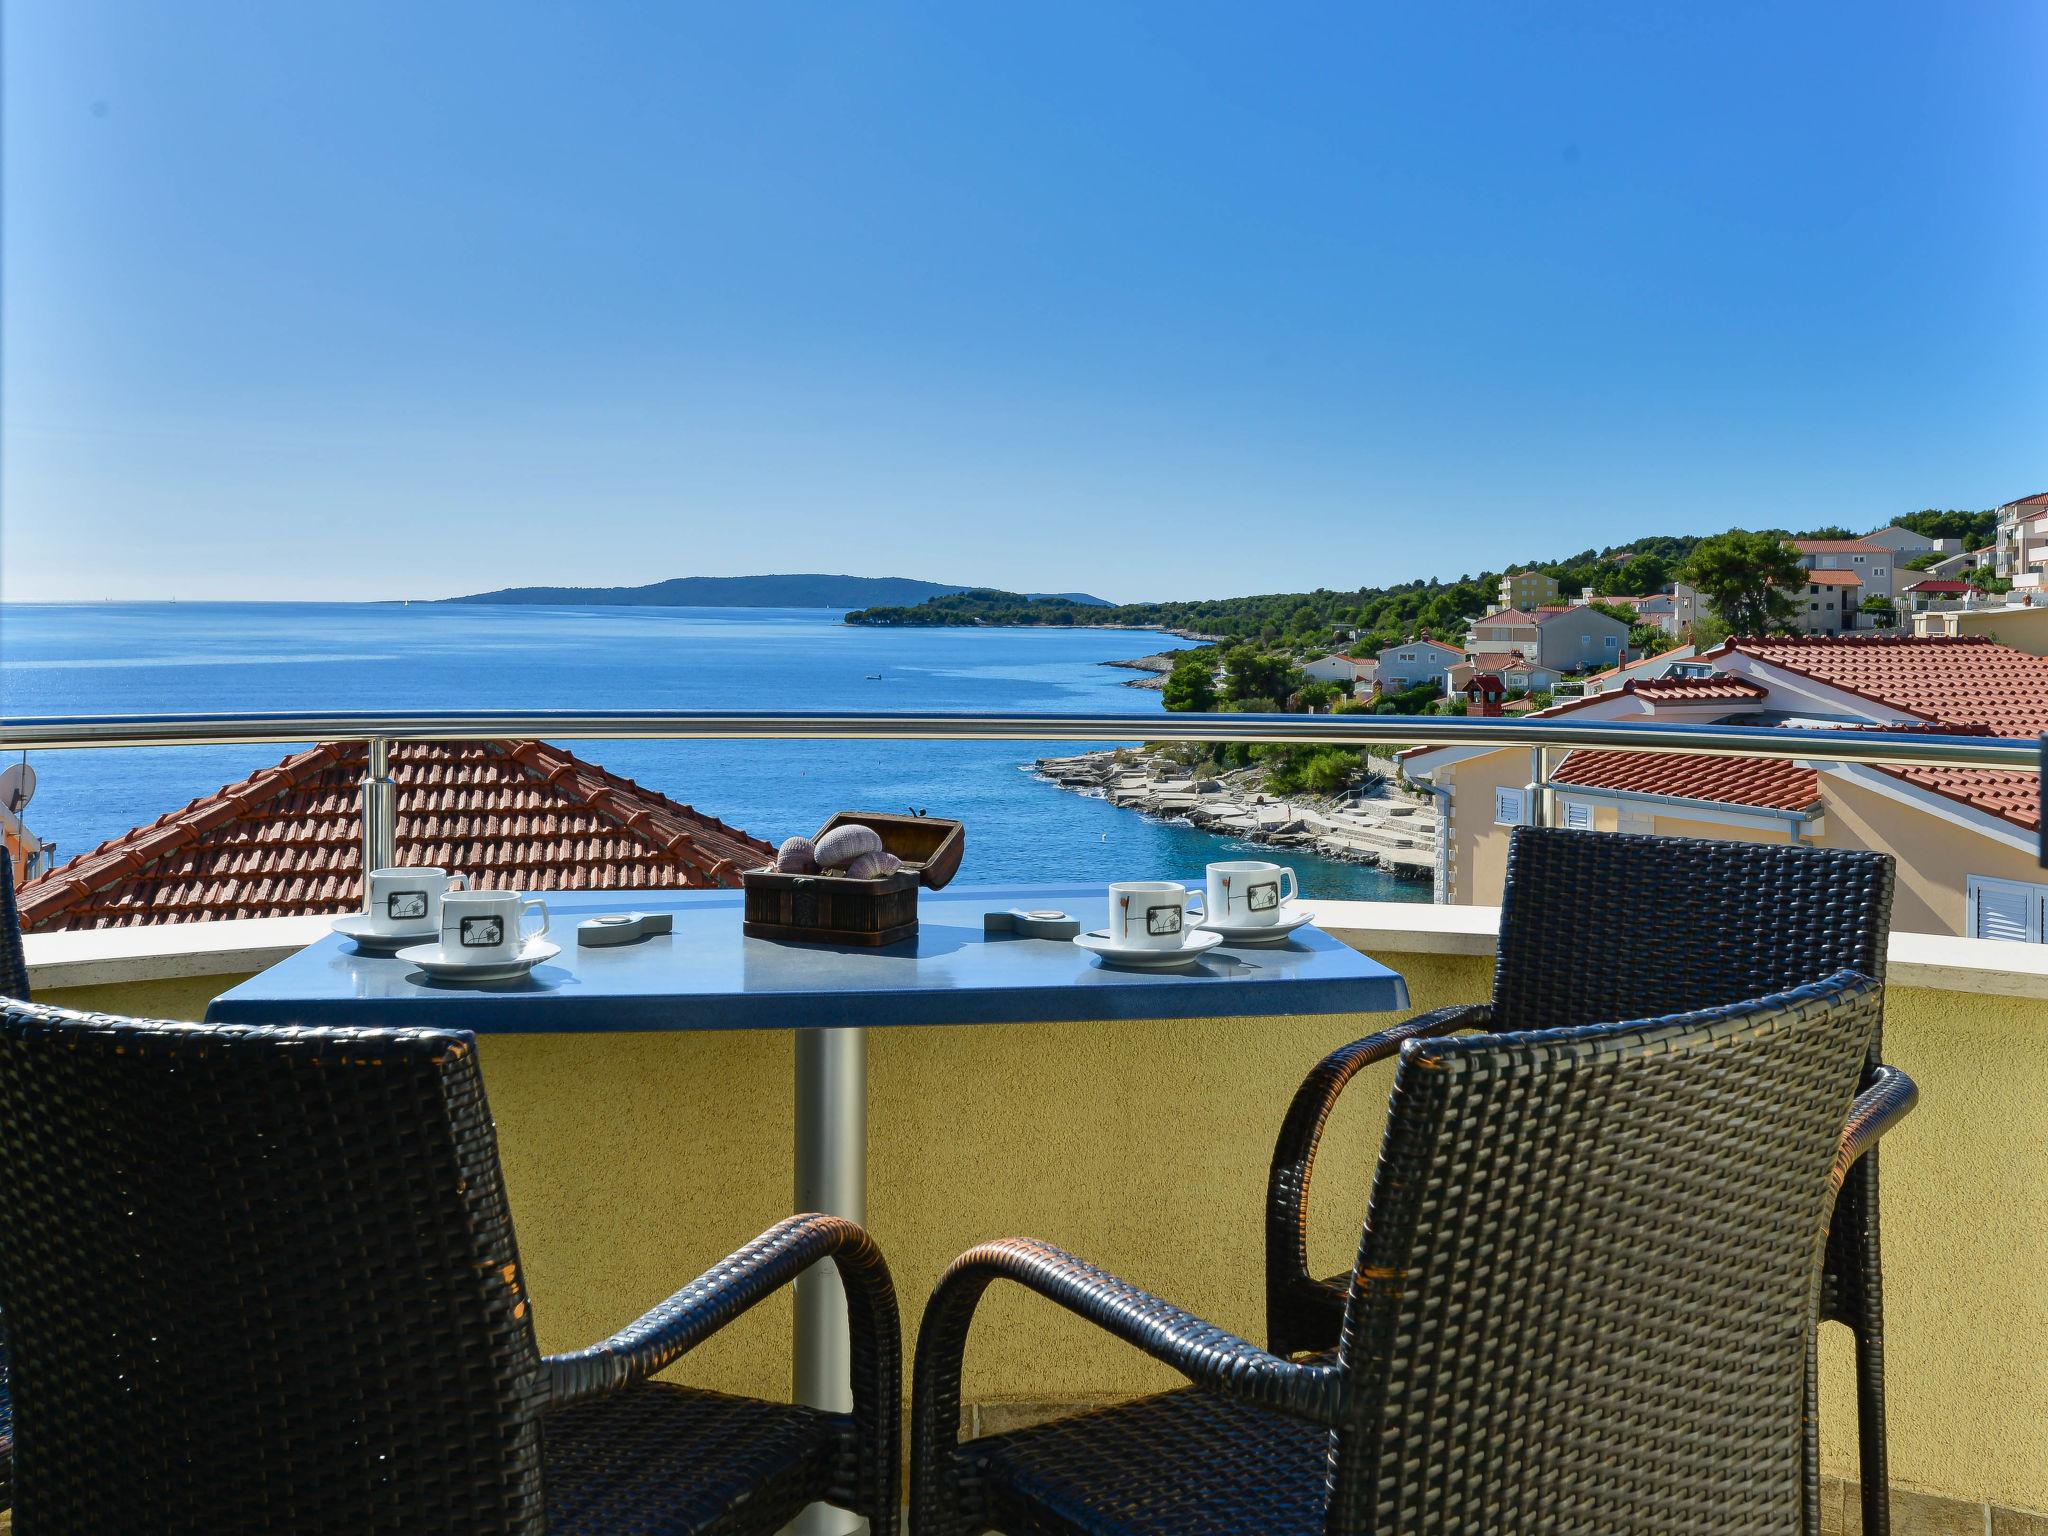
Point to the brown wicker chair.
(265, 1281)
(1548, 1206)
(1599, 926)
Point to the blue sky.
(371, 300)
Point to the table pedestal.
(832, 1177)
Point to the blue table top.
(708, 975)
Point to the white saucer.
(429, 958)
(1291, 918)
(372, 941)
(1195, 945)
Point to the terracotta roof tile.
(1694, 690)
(1962, 680)
(1828, 579)
(1751, 781)
(1838, 547)
(286, 841)
(2014, 796)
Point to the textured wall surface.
(636, 1160)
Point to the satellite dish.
(17, 786)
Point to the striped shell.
(796, 856)
(842, 845)
(872, 866)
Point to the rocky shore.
(1381, 825)
(1155, 667)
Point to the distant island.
(807, 591)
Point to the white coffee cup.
(1248, 892)
(487, 927)
(1149, 914)
(409, 900)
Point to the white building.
(1342, 670)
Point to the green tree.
(1250, 673)
(1708, 632)
(1975, 529)
(1319, 695)
(1191, 685)
(1832, 531)
(1647, 640)
(1742, 576)
(1984, 579)
(1637, 576)
(1882, 614)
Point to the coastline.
(1155, 667)
(1382, 826)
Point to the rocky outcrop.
(1381, 826)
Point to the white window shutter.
(2009, 910)
(1578, 817)
(1507, 807)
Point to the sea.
(120, 658)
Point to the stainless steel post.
(831, 1176)
(380, 812)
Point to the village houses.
(1967, 839)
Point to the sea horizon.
(205, 655)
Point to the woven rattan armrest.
(1888, 1099)
(729, 1288)
(1207, 1355)
(1294, 1152)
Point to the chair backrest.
(1589, 1279)
(13, 964)
(1602, 925)
(260, 1280)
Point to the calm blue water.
(119, 658)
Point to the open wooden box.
(831, 909)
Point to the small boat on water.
(874, 677)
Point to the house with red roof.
(1967, 840)
(1871, 564)
(1936, 593)
(1514, 672)
(1563, 637)
(287, 840)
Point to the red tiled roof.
(1838, 547)
(1829, 579)
(1505, 616)
(1752, 781)
(1939, 586)
(1503, 661)
(2040, 499)
(287, 841)
(1669, 690)
(1695, 690)
(1957, 680)
(1965, 684)
(2014, 796)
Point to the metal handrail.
(1887, 748)
(380, 730)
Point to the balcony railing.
(380, 730)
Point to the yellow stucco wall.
(635, 1160)
(1936, 858)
